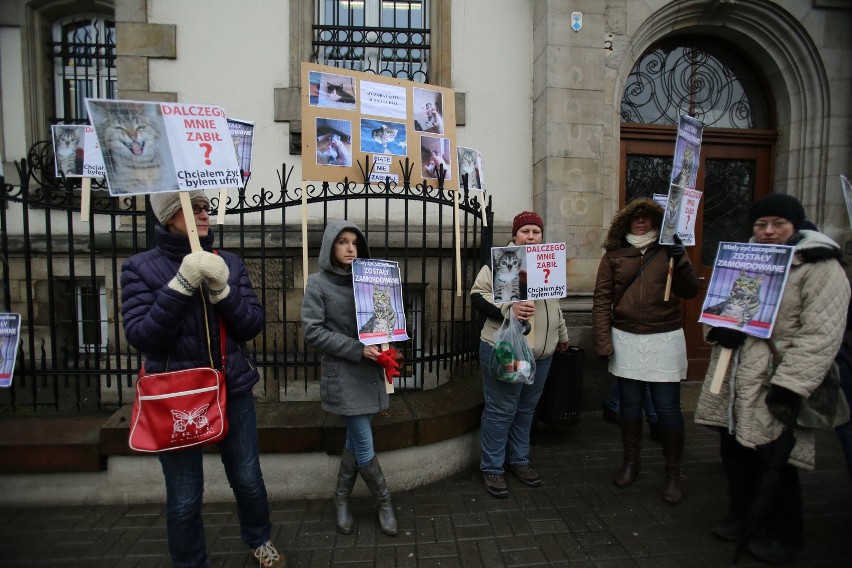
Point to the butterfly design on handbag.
(197, 418)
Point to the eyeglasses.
(777, 225)
(197, 209)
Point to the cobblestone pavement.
(576, 518)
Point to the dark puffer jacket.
(636, 305)
(168, 327)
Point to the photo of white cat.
(470, 164)
(136, 151)
(428, 111)
(68, 149)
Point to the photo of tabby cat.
(470, 163)
(743, 301)
(68, 149)
(136, 150)
(384, 317)
(507, 265)
(383, 137)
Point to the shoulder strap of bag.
(222, 338)
(635, 276)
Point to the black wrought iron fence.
(62, 274)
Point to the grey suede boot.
(345, 482)
(375, 480)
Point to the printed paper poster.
(242, 133)
(76, 151)
(428, 111)
(684, 172)
(528, 272)
(381, 171)
(334, 142)
(153, 147)
(10, 335)
(383, 137)
(384, 100)
(329, 90)
(470, 164)
(746, 287)
(379, 307)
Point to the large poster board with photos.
(348, 115)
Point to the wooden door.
(735, 170)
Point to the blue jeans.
(665, 396)
(508, 415)
(184, 474)
(614, 402)
(359, 437)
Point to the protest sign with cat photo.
(379, 308)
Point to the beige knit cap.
(165, 205)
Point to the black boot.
(345, 482)
(631, 438)
(375, 480)
(673, 453)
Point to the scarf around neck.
(643, 241)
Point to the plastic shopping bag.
(512, 359)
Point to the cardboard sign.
(379, 308)
(10, 336)
(679, 216)
(76, 151)
(157, 147)
(528, 272)
(746, 287)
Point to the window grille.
(385, 37)
(92, 324)
(84, 65)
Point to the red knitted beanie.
(526, 218)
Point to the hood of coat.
(620, 226)
(333, 229)
(813, 246)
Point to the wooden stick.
(189, 218)
(458, 243)
(388, 384)
(531, 334)
(305, 238)
(669, 280)
(223, 199)
(721, 370)
(85, 199)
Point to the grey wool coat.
(350, 385)
(807, 333)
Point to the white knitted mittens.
(197, 267)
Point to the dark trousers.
(744, 468)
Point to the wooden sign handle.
(721, 370)
(85, 199)
(388, 384)
(189, 219)
(669, 281)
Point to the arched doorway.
(717, 85)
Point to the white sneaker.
(268, 555)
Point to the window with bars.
(92, 332)
(84, 65)
(386, 37)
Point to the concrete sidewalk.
(577, 518)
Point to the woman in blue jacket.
(172, 301)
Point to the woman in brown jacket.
(641, 333)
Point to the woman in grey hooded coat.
(353, 383)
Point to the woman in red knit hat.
(510, 407)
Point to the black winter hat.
(778, 205)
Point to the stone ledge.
(83, 444)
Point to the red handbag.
(180, 409)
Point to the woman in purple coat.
(172, 301)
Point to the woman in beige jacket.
(757, 403)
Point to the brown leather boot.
(631, 438)
(673, 453)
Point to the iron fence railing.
(62, 275)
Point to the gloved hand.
(216, 272)
(726, 337)
(189, 275)
(784, 405)
(390, 360)
(676, 250)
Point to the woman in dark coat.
(172, 303)
(353, 383)
(641, 335)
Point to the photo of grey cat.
(743, 300)
(506, 271)
(470, 163)
(135, 148)
(68, 149)
(383, 319)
